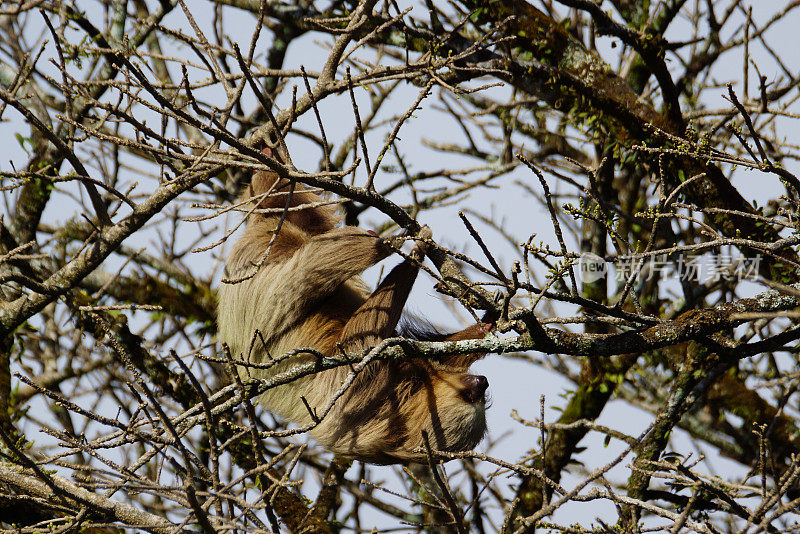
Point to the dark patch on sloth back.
(419, 330)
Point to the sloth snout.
(474, 387)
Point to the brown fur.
(305, 292)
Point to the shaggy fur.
(306, 292)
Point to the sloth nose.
(474, 387)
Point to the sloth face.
(457, 419)
(383, 418)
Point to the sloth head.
(389, 409)
(456, 404)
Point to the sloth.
(294, 283)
